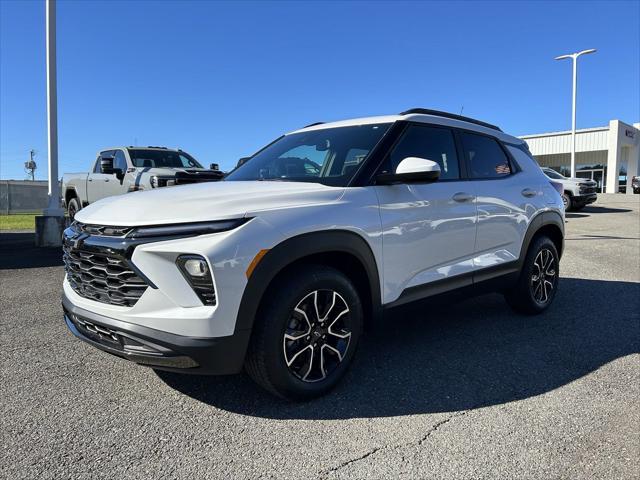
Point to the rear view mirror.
(323, 146)
(411, 170)
(214, 166)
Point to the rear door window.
(485, 157)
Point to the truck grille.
(102, 277)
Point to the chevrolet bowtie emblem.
(78, 239)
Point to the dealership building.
(609, 155)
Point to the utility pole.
(30, 165)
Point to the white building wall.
(560, 142)
(612, 146)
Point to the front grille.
(587, 189)
(97, 333)
(102, 230)
(102, 277)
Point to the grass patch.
(18, 222)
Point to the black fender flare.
(296, 248)
(538, 222)
(74, 194)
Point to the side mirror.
(214, 166)
(106, 165)
(411, 170)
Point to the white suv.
(280, 266)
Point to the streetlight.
(574, 57)
(49, 226)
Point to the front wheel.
(566, 200)
(306, 333)
(538, 282)
(72, 208)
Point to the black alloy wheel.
(306, 332)
(544, 276)
(538, 280)
(317, 336)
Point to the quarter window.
(485, 157)
(431, 143)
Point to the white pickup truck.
(120, 170)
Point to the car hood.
(581, 180)
(169, 170)
(575, 180)
(204, 201)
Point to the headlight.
(157, 182)
(187, 229)
(195, 270)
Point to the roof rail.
(153, 146)
(313, 124)
(426, 111)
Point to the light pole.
(49, 226)
(574, 57)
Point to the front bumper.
(586, 199)
(155, 348)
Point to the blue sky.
(222, 79)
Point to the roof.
(451, 120)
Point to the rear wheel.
(73, 207)
(306, 333)
(538, 282)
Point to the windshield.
(147, 158)
(553, 174)
(330, 156)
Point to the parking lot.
(469, 390)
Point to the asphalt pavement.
(466, 390)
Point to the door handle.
(527, 192)
(106, 179)
(462, 197)
(90, 180)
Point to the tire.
(532, 293)
(294, 355)
(73, 207)
(568, 203)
